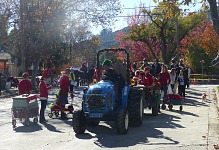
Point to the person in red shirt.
(25, 86)
(62, 97)
(143, 80)
(164, 79)
(43, 98)
(149, 77)
(46, 74)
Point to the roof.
(5, 56)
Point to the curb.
(217, 96)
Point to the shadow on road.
(51, 128)
(107, 134)
(31, 128)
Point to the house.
(5, 59)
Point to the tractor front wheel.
(122, 121)
(79, 122)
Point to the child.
(43, 98)
(143, 80)
(172, 78)
(25, 86)
(182, 84)
(156, 90)
(136, 77)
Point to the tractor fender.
(125, 93)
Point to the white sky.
(121, 23)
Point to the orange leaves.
(204, 37)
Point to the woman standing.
(164, 80)
(172, 78)
(43, 99)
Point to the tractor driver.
(110, 73)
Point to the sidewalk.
(213, 117)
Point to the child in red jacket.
(143, 80)
(43, 98)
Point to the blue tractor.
(111, 101)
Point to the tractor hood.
(101, 87)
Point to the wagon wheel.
(170, 106)
(27, 121)
(163, 106)
(50, 114)
(181, 108)
(35, 120)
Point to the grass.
(218, 89)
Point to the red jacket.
(64, 83)
(150, 78)
(44, 90)
(144, 82)
(24, 87)
(164, 78)
(46, 73)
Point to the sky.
(121, 23)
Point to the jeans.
(42, 110)
(164, 89)
(181, 90)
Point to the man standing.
(72, 80)
(156, 68)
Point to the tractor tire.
(122, 121)
(79, 122)
(136, 107)
(92, 122)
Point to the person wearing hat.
(143, 80)
(25, 86)
(110, 73)
(43, 98)
(62, 97)
(46, 74)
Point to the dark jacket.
(111, 75)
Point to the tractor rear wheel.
(136, 107)
(122, 121)
(79, 122)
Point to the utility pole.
(177, 38)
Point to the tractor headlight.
(109, 99)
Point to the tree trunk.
(164, 48)
(214, 15)
(34, 74)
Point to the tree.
(41, 26)
(160, 25)
(200, 44)
(213, 9)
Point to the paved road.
(195, 128)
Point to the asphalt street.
(194, 128)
